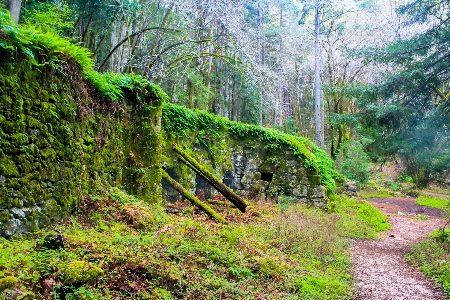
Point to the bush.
(353, 162)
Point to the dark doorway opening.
(266, 176)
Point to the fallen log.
(228, 193)
(194, 200)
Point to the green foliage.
(404, 178)
(432, 257)
(353, 162)
(113, 86)
(49, 17)
(8, 282)
(408, 117)
(434, 202)
(30, 40)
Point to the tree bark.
(14, 8)
(228, 193)
(194, 200)
(259, 60)
(318, 107)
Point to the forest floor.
(379, 267)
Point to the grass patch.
(291, 253)
(442, 203)
(432, 257)
(368, 194)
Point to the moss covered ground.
(291, 252)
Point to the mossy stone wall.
(60, 141)
(258, 163)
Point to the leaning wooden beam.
(194, 200)
(228, 193)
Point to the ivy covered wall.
(66, 133)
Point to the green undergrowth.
(135, 251)
(180, 122)
(432, 257)
(376, 188)
(442, 203)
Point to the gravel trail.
(379, 268)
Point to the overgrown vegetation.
(180, 122)
(442, 203)
(294, 252)
(46, 47)
(432, 255)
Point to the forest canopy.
(378, 69)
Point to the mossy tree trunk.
(228, 193)
(194, 200)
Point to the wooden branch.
(194, 200)
(127, 38)
(228, 193)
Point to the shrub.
(353, 162)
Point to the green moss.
(4, 216)
(19, 139)
(80, 272)
(8, 282)
(8, 168)
(54, 149)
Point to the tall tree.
(14, 7)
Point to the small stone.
(17, 212)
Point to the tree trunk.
(318, 107)
(228, 193)
(259, 60)
(14, 8)
(194, 200)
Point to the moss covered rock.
(80, 272)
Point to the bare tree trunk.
(259, 60)
(14, 8)
(318, 107)
(279, 103)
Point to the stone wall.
(259, 164)
(60, 142)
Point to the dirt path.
(379, 268)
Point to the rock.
(17, 212)
(53, 242)
(14, 226)
(350, 188)
(318, 192)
